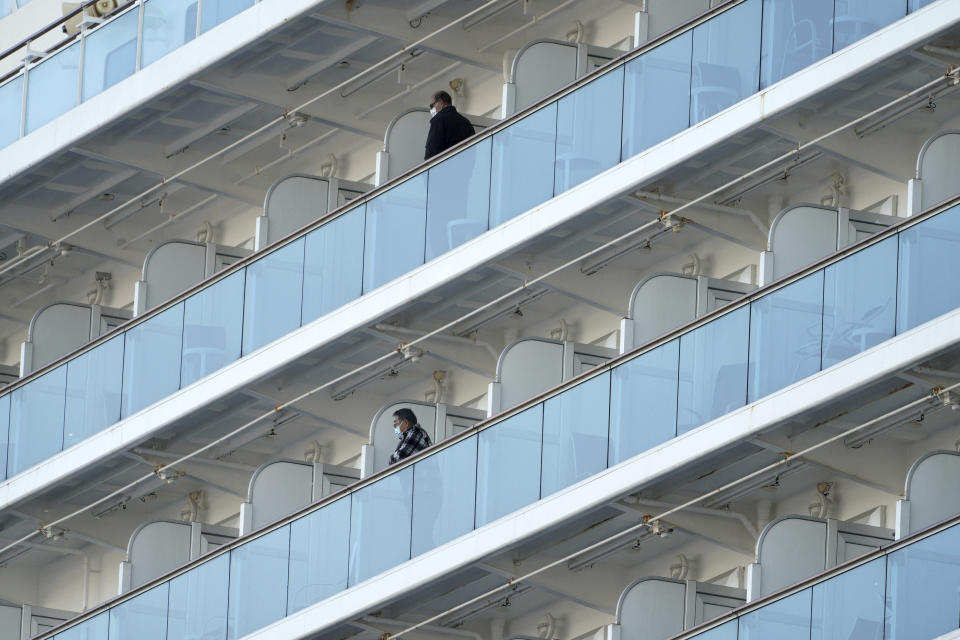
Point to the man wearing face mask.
(412, 436)
(447, 127)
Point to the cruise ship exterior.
(681, 320)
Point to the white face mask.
(397, 432)
(433, 111)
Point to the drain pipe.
(472, 635)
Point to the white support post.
(139, 298)
(493, 398)
(124, 578)
(260, 236)
(833, 538)
(902, 526)
(626, 335)
(26, 358)
(440, 423)
(246, 518)
(703, 296)
(366, 460)
(609, 632)
(843, 228)
(196, 540)
(209, 259)
(26, 622)
(568, 357)
(383, 168)
(508, 105)
(317, 489)
(583, 53)
(333, 194)
(641, 28)
(766, 268)
(690, 604)
(754, 576)
(914, 196)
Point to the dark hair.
(443, 96)
(406, 414)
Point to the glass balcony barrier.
(699, 73)
(766, 344)
(907, 593)
(100, 58)
(499, 176)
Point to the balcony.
(728, 360)
(542, 153)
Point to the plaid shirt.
(413, 439)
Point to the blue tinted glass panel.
(643, 406)
(726, 631)
(258, 583)
(508, 465)
(851, 604)
(272, 295)
(795, 35)
(167, 24)
(4, 433)
(11, 103)
(859, 302)
(93, 391)
(713, 370)
(523, 155)
(151, 360)
(726, 60)
(95, 628)
(212, 328)
(36, 420)
(787, 619)
(198, 601)
(458, 199)
(588, 130)
(854, 19)
(785, 336)
(656, 95)
(394, 234)
(923, 588)
(333, 265)
(319, 547)
(217, 11)
(933, 246)
(143, 617)
(110, 53)
(917, 4)
(380, 525)
(444, 488)
(575, 426)
(52, 87)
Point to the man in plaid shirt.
(412, 436)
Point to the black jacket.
(447, 128)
